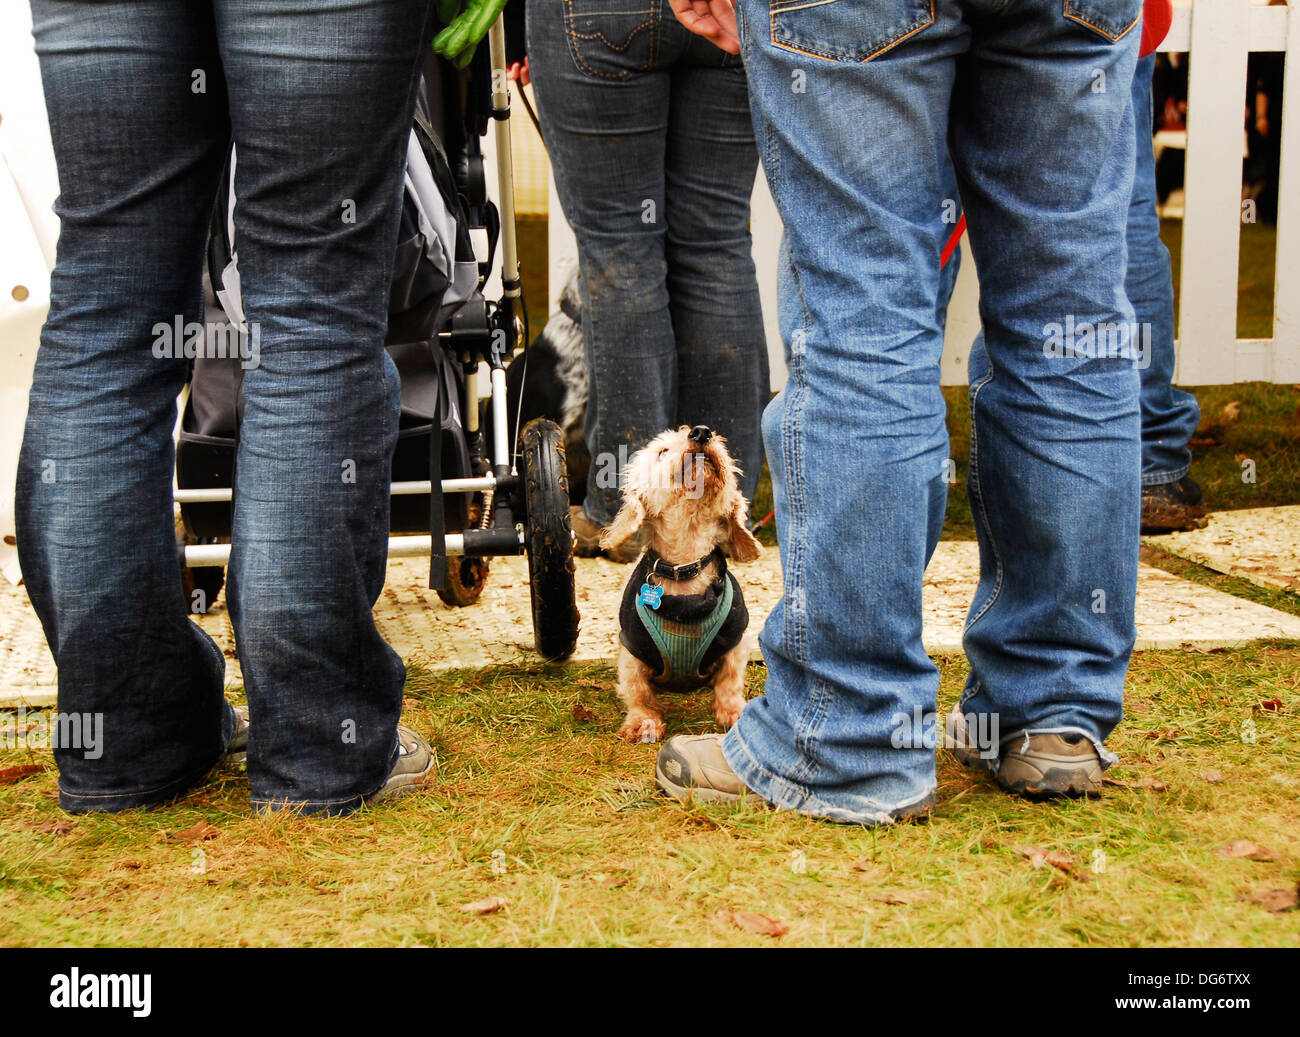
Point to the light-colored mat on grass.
(1261, 545)
(1172, 612)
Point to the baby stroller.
(494, 494)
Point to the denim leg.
(1169, 415)
(638, 114)
(139, 152)
(321, 101)
(722, 369)
(606, 139)
(854, 152)
(1055, 438)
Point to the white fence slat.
(1286, 295)
(1212, 224)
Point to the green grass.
(594, 855)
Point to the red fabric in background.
(1157, 16)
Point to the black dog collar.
(686, 571)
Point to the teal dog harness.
(681, 637)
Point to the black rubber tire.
(466, 578)
(548, 538)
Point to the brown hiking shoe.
(586, 540)
(1042, 766)
(1170, 507)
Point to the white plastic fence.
(1219, 35)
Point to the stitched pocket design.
(847, 30)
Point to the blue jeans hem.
(784, 794)
(114, 802)
(1160, 478)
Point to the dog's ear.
(740, 542)
(625, 524)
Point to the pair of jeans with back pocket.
(144, 97)
(649, 135)
(858, 105)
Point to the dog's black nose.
(701, 434)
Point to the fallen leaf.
(1246, 849)
(1213, 776)
(486, 906)
(1037, 856)
(55, 828)
(1231, 411)
(581, 712)
(760, 924)
(1275, 900)
(198, 833)
(8, 775)
(902, 897)
(1272, 705)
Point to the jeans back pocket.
(1110, 18)
(612, 39)
(847, 30)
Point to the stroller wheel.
(549, 540)
(466, 578)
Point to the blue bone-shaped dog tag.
(650, 596)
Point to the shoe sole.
(1072, 782)
(1173, 519)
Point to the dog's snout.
(700, 435)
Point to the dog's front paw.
(642, 728)
(728, 712)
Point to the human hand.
(715, 20)
(519, 71)
(458, 41)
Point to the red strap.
(1157, 16)
(953, 241)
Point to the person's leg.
(603, 100)
(1169, 415)
(711, 159)
(138, 118)
(856, 440)
(321, 102)
(1042, 139)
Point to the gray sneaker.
(415, 766)
(1042, 766)
(693, 766)
(237, 747)
(958, 740)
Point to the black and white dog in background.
(556, 383)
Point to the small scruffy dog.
(683, 617)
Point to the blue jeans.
(144, 97)
(858, 105)
(1169, 415)
(651, 143)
